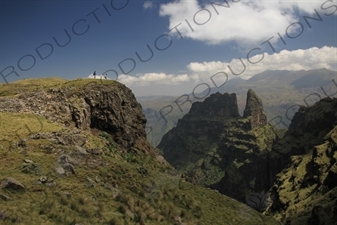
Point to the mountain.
(75, 152)
(215, 147)
(281, 91)
(288, 174)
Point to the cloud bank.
(301, 59)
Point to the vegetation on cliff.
(75, 152)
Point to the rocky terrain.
(306, 190)
(75, 152)
(215, 147)
(290, 175)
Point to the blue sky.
(110, 32)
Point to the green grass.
(27, 85)
(34, 84)
(156, 197)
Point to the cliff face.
(254, 110)
(74, 152)
(218, 105)
(240, 155)
(111, 108)
(306, 190)
(214, 146)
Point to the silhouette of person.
(94, 74)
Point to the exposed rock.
(28, 166)
(22, 143)
(224, 105)
(69, 168)
(91, 183)
(51, 184)
(80, 150)
(27, 161)
(254, 110)
(93, 105)
(43, 179)
(67, 159)
(306, 189)
(5, 197)
(215, 147)
(60, 170)
(11, 183)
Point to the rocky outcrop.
(254, 110)
(87, 105)
(306, 188)
(11, 183)
(224, 105)
(215, 147)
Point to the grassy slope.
(156, 197)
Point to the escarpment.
(109, 107)
(75, 152)
(241, 155)
(215, 147)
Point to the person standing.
(95, 74)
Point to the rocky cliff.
(109, 107)
(254, 110)
(293, 174)
(306, 189)
(75, 152)
(214, 146)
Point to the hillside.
(290, 175)
(75, 152)
(306, 189)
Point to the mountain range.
(281, 91)
(78, 152)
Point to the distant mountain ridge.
(281, 91)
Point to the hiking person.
(94, 74)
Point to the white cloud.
(246, 21)
(149, 79)
(148, 5)
(301, 59)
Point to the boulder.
(11, 183)
(80, 150)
